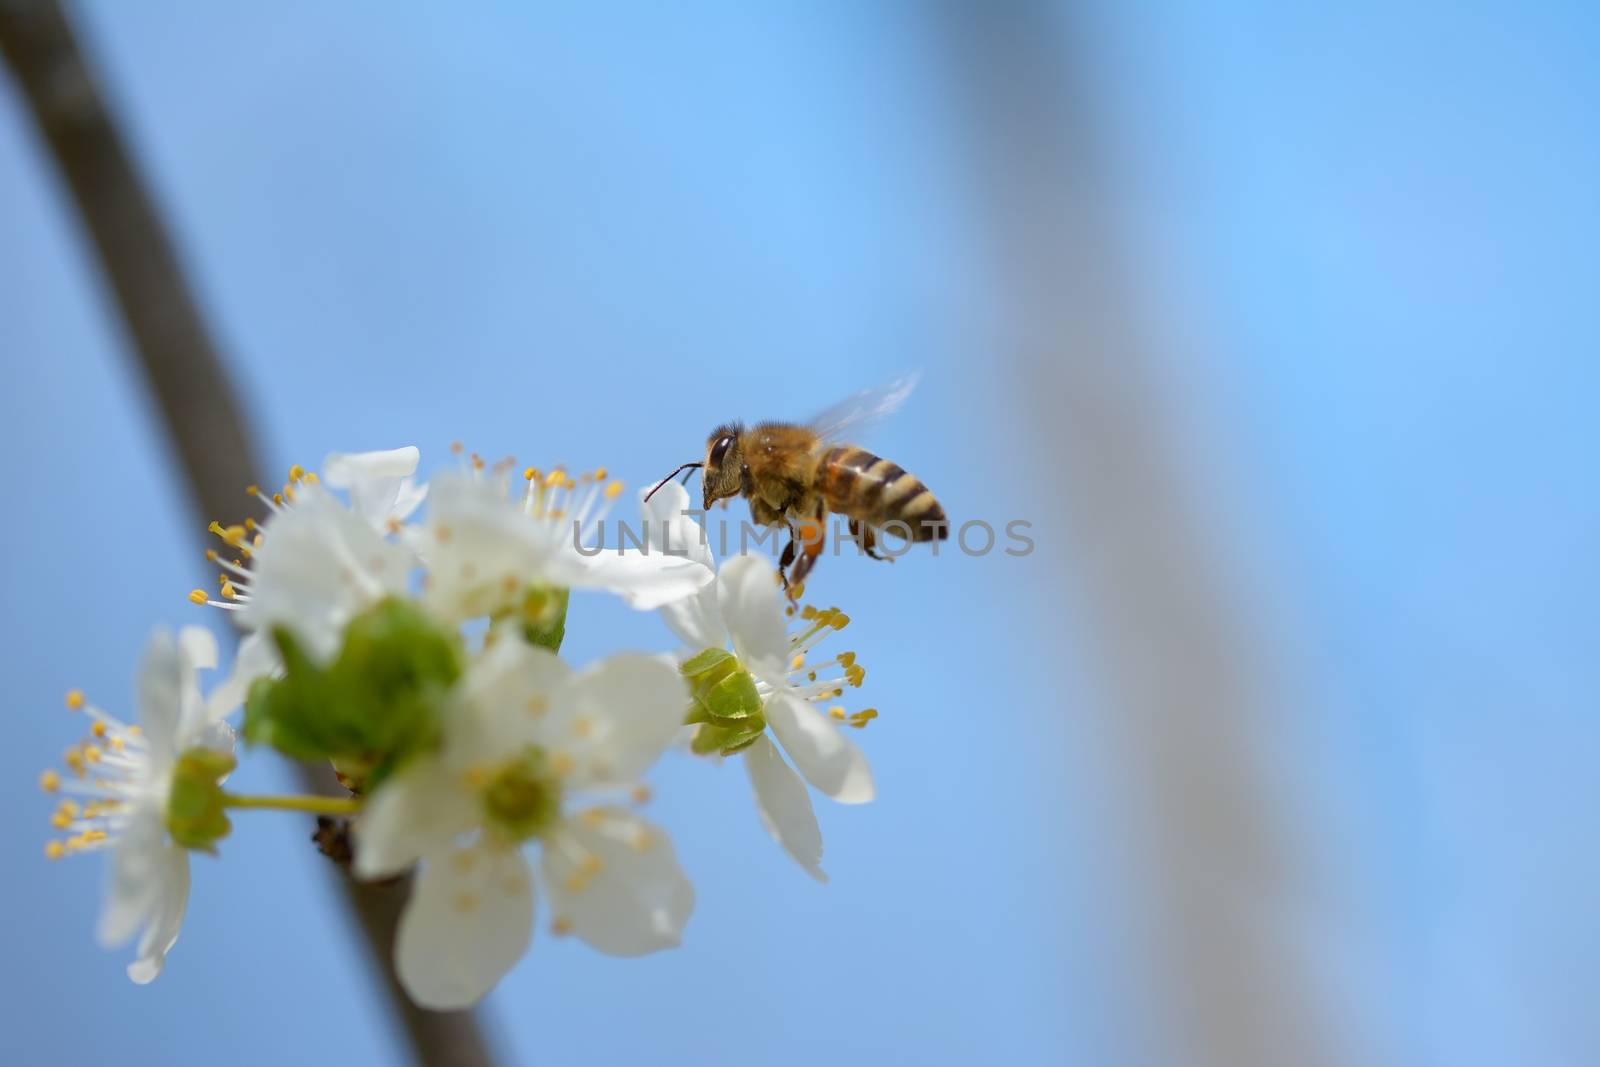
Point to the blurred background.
(1279, 325)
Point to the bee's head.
(723, 474)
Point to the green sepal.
(727, 740)
(196, 815)
(722, 690)
(543, 615)
(373, 706)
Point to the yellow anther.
(288, 493)
(798, 661)
(561, 926)
(855, 675)
(54, 850)
(555, 478)
(562, 764)
(68, 808)
(600, 474)
(393, 524)
(642, 841)
(211, 555)
(593, 818)
(249, 524)
(117, 744)
(477, 462)
(49, 781)
(74, 761)
(575, 883)
(797, 591)
(91, 753)
(455, 446)
(477, 776)
(61, 820)
(441, 534)
(537, 705)
(463, 860)
(836, 711)
(136, 729)
(311, 477)
(557, 513)
(296, 472)
(589, 865)
(641, 794)
(98, 729)
(516, 884)
(75, 699)
(613, 490)
(808, 612)
(198, 596)
(277, 498)
(92, 837)
(530, 473)
(840, 620)
(583, 727)
(789, 611)
(846, 659)
(228, 590)
(464, 902)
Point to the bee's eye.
(720, 449)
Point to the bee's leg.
(867, 540)
(786, 559)
(809, 536)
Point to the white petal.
(644, 581)
(319, 565)
(785, 806)
(507, 697)
(407, 499)
(344, 469)
(469, 920)
(481, 549)
(416, 812)
(829, 760)
(751, 602)
(614, 877)
(133, 875)
(256, 657)
(163, 679)
(199, 647)
(162, 931)
(697, 620)
(669, 527)
(616, 717)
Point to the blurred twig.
(1182, 677)
(179, 363)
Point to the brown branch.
(1184, 696)
(172, 349)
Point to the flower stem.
(315, 805)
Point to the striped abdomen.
(856, 483)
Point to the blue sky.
(578, 237)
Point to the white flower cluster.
(420, 658)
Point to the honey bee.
(794, 474)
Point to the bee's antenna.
(668, 478)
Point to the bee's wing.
(856, 413)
